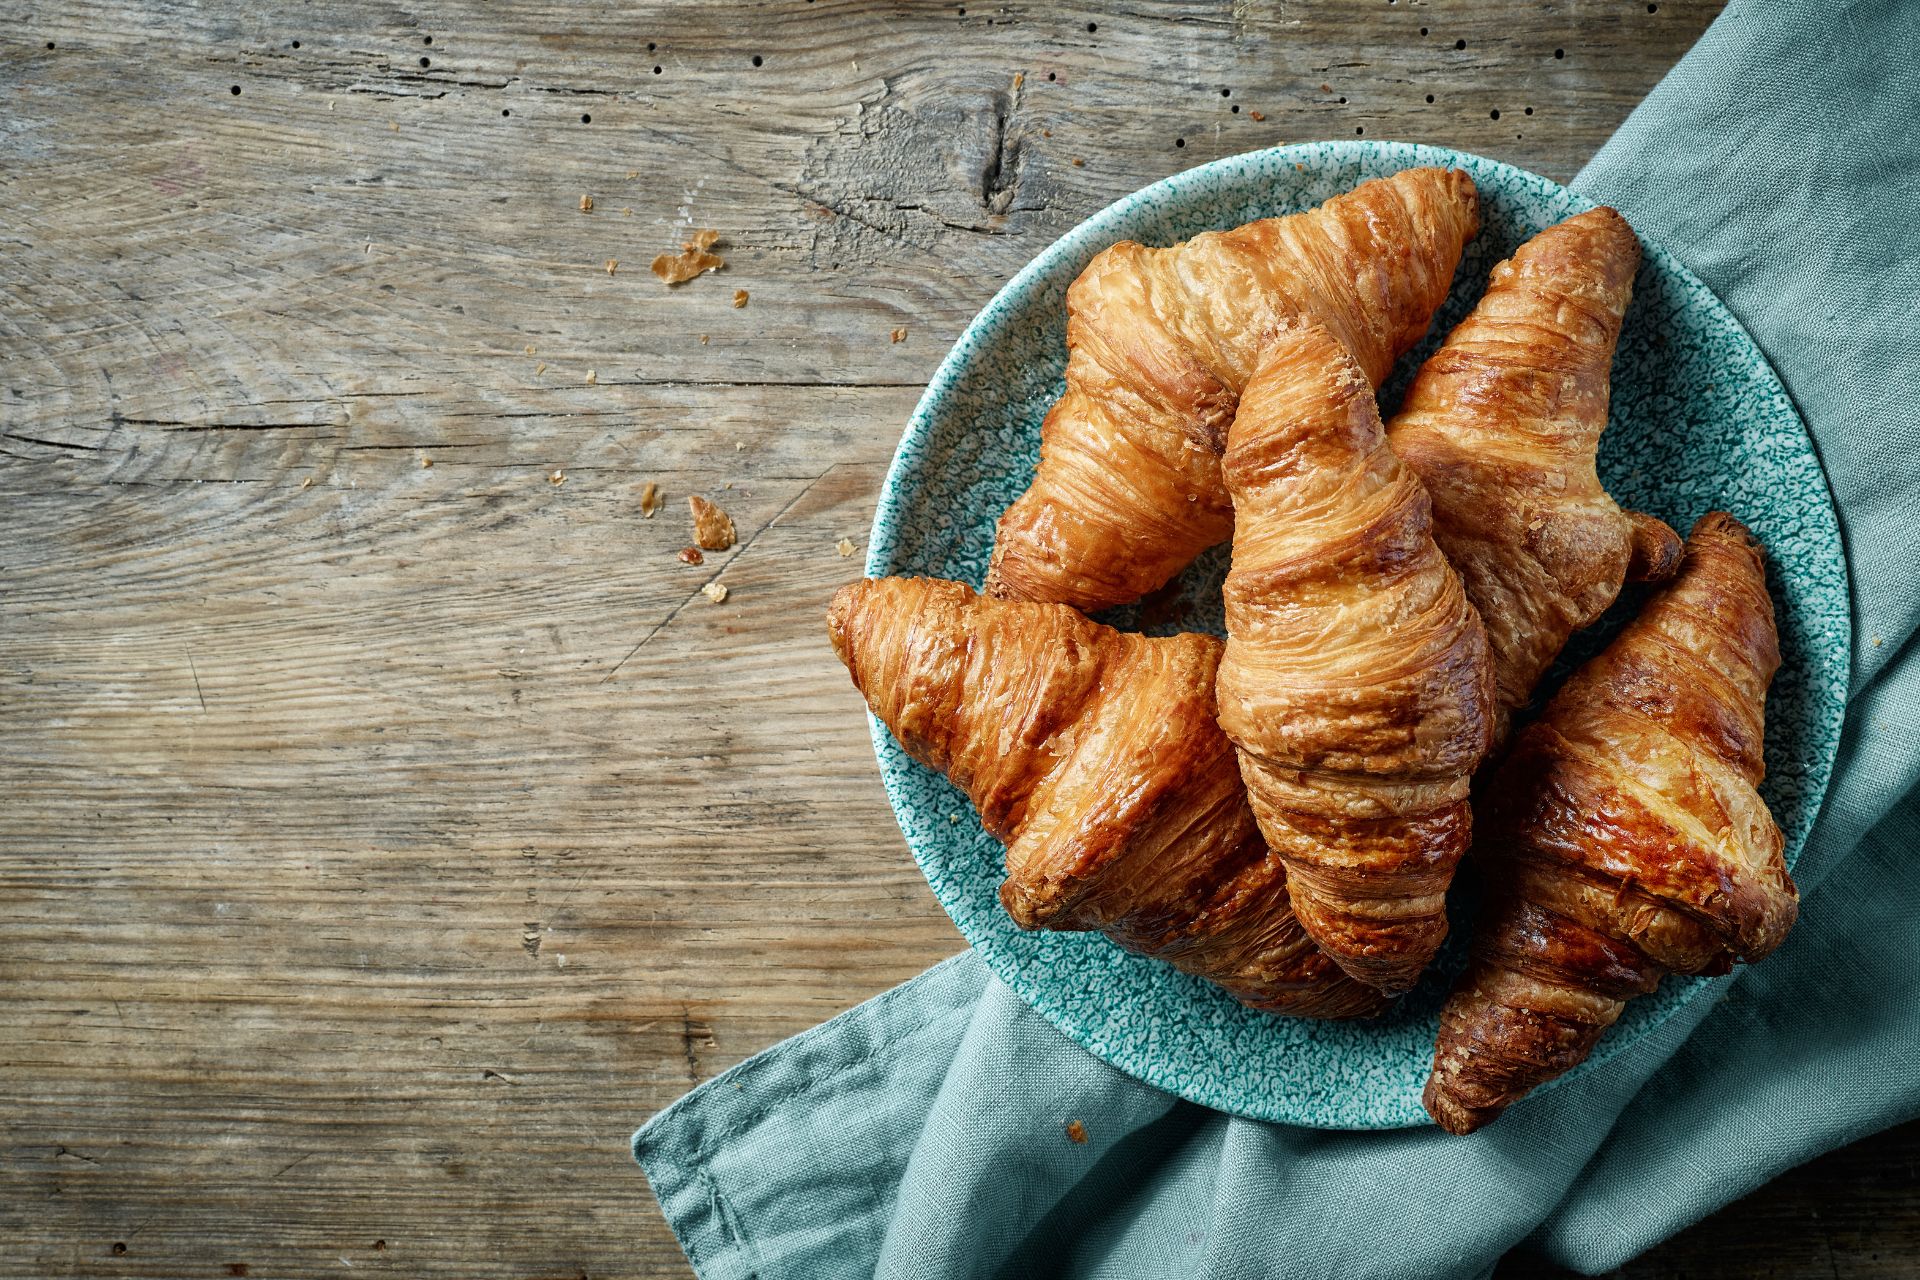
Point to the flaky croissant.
(1160, 343)
(1503, 426)
(1623, 837)
(1356, 682)
(1095, 757)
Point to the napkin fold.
(944, 1129)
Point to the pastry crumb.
(530, 350)
(739, 297)
(712, 527)
(1256, 116)
(649, 500)
(898, 335)
(1076, 1131)
(692, 260)
(844, 547)
(691, 555)
(611, 264)
(703, 339)
(586, 204)
(1078, 163)
(557, 476)
(307, 483)
(1019, 78)
(540, 368)
(593, 378)
(425, 462)
(632, 174)
(715, 591)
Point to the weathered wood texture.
(384, 841)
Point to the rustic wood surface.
(384, 840)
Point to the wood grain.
(386, 840)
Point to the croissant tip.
(1723, 524)
(1451, 1114)
(1656, 549)
(840, 611)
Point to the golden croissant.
(1503, 425)
(1094, 756)
(1356, 682)
(1160, 342)
(1623, 836)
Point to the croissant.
(1160, 342)
(1356, 681)
(1625, 836)
(1503, 425)
(1094, 756)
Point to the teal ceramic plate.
(1699, 421)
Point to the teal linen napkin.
(925, 1132)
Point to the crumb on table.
(712, 527)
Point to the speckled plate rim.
(898, 492)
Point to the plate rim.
(888, 518)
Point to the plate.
(1699, 421)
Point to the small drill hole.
(235, 91)
(586, 119)
(426, 40)
(1179, 142)
(50, 44)
(963, 13)
(1653, 8)
(1494, 114)
(1226, 93)
(1559, 53)
(1359, 129)
(756, 60)
(1529, 110)
(119, 1247)
(1236, 108)
(656, 71)
(1092, 27)
(505, 111)
(1429, 97)
(1423, 31)
(1459, 44)
(1343, 102)
(296, 44)
(426, 62)
(651, 46)
(1050, 75)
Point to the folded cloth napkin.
(923, 1133)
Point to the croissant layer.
(1623, 836)
(1161, 342)
(1096, 758)
(1356, 681)
(1503, 425)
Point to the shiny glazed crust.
(1096, 758)
(1160, 343)
(1356, 682)
(1623, 836)
(1503, 426)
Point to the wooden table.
(392, 824)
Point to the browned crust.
(1624, 836)
(1096, 757)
